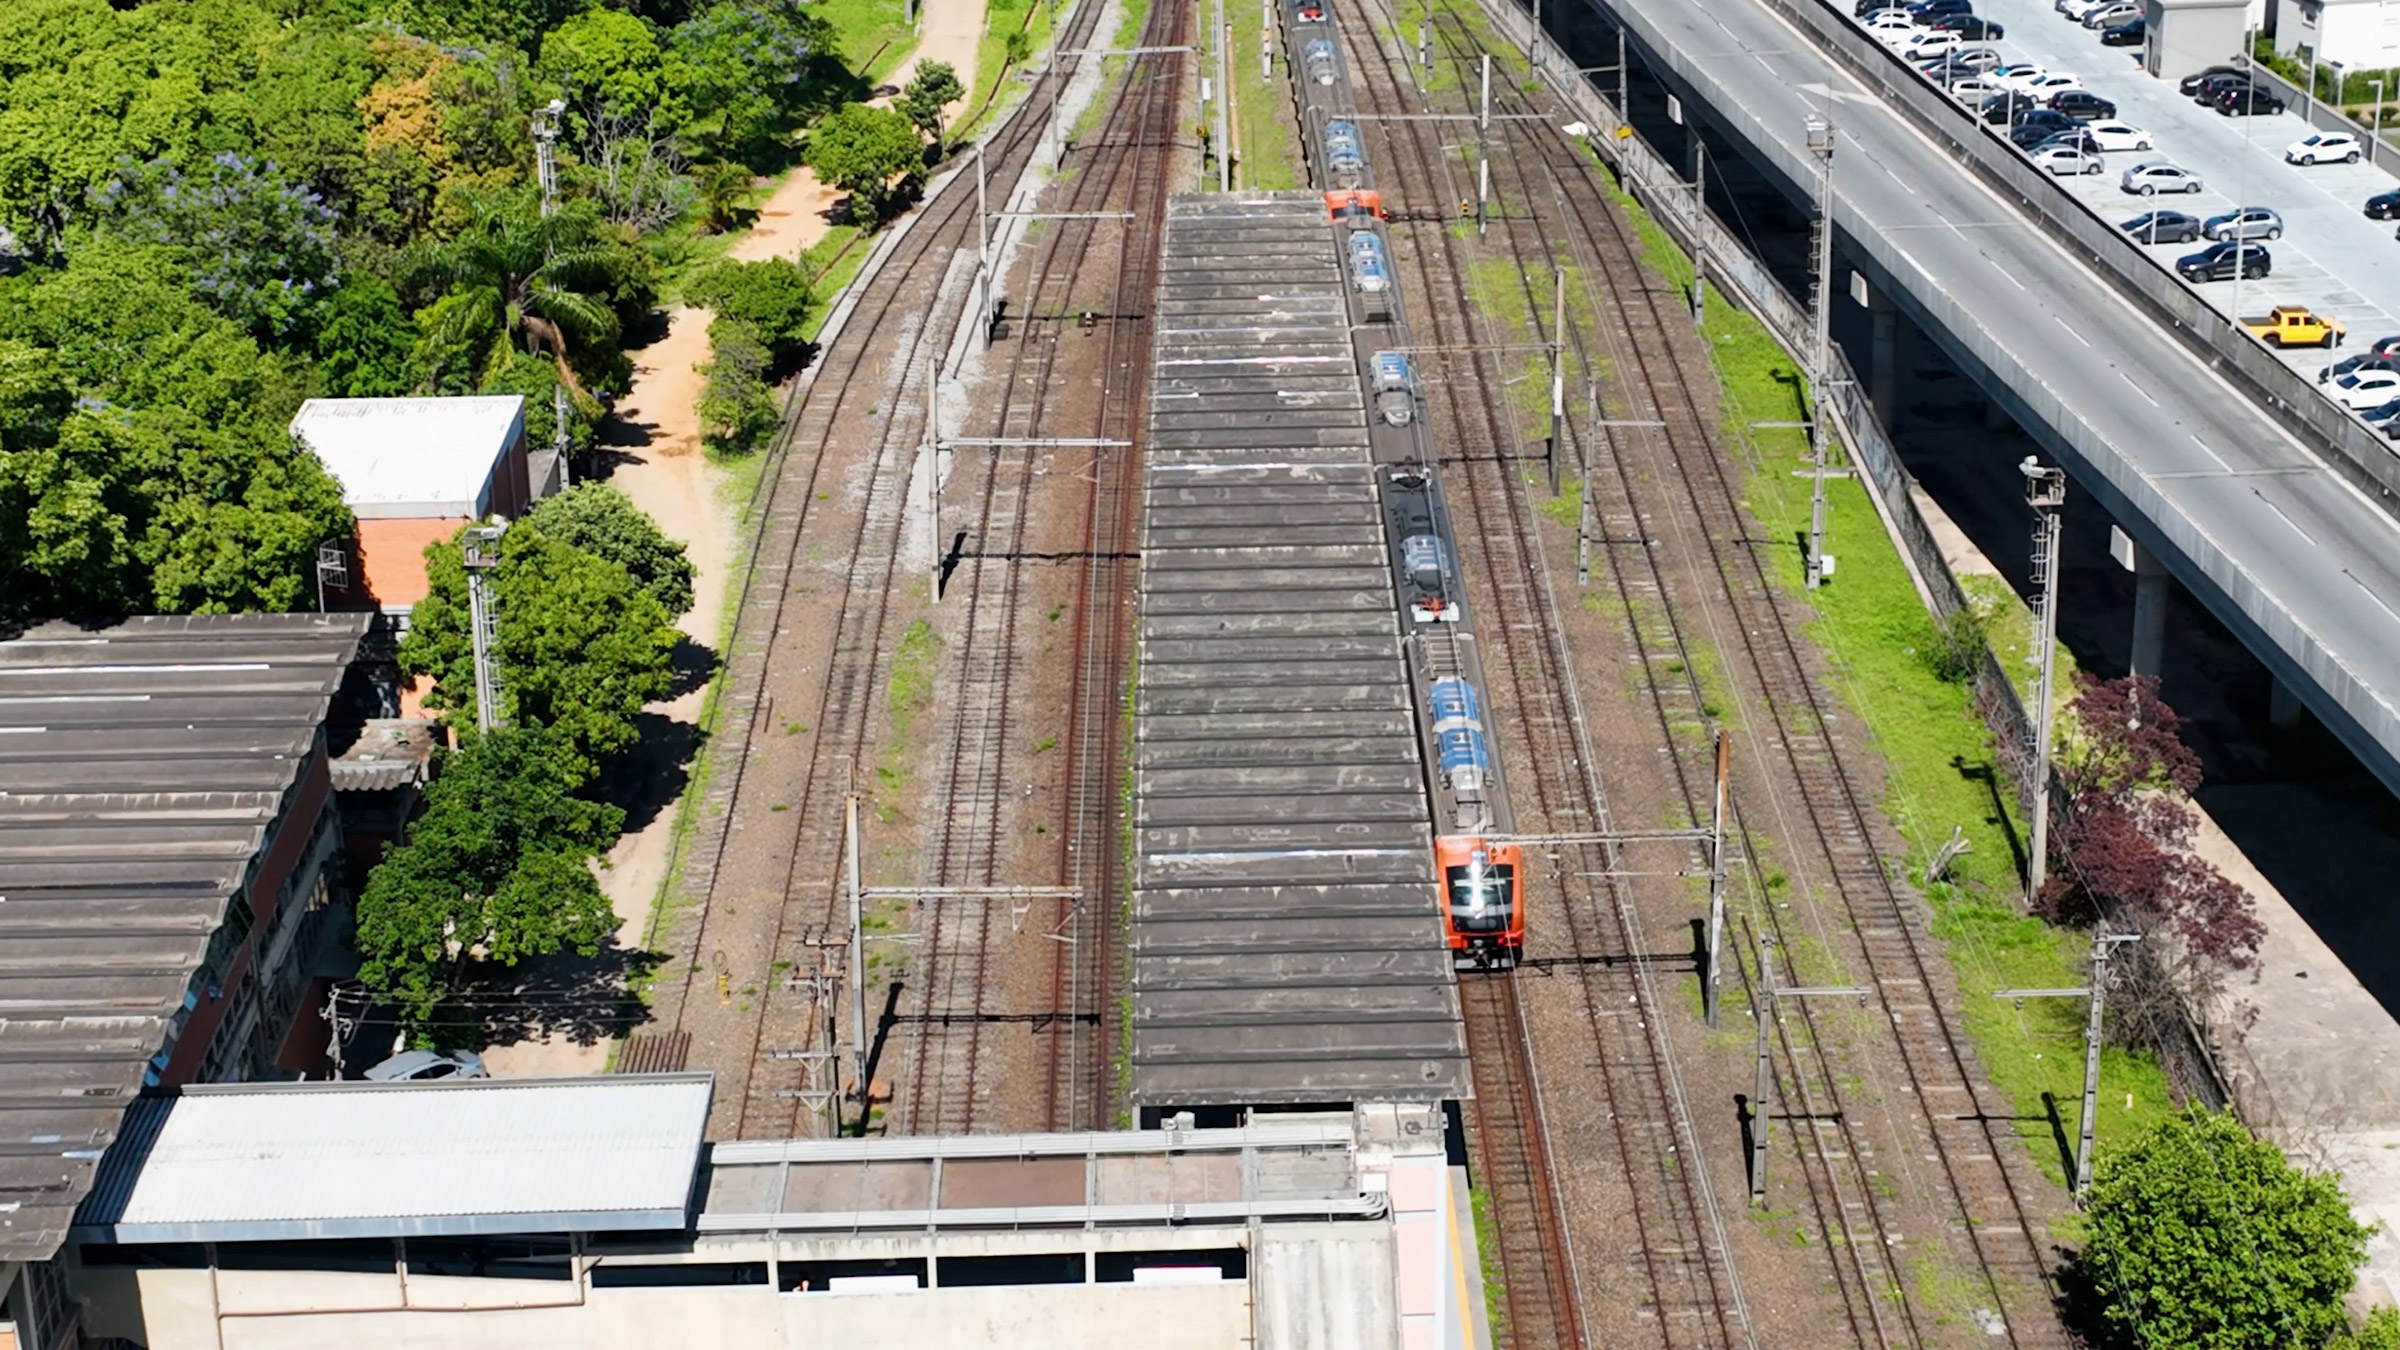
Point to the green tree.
(498, 869)
(2203, 1237)
(753, 70)
(514, 278)
(771, 295)
(862, 150)
(34, 395)
(737, 405)
(365, 346)
(724, 189)
(935, 87)
(611, 65)
(581, 646)
(602, 521)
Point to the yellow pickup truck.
(2295, 326)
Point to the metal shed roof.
(141, 767)
(1287, 938)
(265, 1161)
(405, 458)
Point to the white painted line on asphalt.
(2128, 379)
(2071, 331)
(2312, 543)
(2210, 453)
(2012, 277)
(2371, 595)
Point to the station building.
(591, 1212)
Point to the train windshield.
(1479, 896)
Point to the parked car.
(2109, 16)
(1927, 43)
(1972, 27)
(2050, 86)
(1975, 92)
(2190, 84)
(2076, 9)
(2244, 222)
(2005, 107)
(2324, 147)
(2384, 205)
(1867, 7)
(2114, 135)
(2051, 118)
(2296, 326)
(1891, 21)
(1977, 59)
(2363, 389)
(2385, 346)
(2131, 33)
(2381, 415)
(2248, 101)
(2216, 86)
(2065, 161)
(2030, 136)
(1928, 10)
(426, 1066)
(2366, 360)
(2163, 227)
(2155, 176)
(2218, 260)
(2082, 104)
(2015, 72)
(2074, 138)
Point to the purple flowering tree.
(257, 249)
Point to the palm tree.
(516, 278)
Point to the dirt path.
(655, 436)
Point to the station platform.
(1287, 942)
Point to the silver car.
(2063, 160)
(2246, 222)
(2157, 176)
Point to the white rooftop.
(407, 458)
(258, 1161)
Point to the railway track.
(1125, 168)
(1670, 519)
(1679, 1278)
(809, 656)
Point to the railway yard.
(1084, 651)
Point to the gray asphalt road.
(2299, 553)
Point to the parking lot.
(2330, 258)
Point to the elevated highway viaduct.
(2286, 537)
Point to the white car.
(1974, 91)
(1927, 45)
(2006, 76)
(1884, 20)
(2363, 389)
(2158, 176)
(1896, 38)
(2043, 86)
(2063, 160)
(2324, 147)
(2079, 10)
(2118, 135)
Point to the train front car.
(1483, 901)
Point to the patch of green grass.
(832, 262)
(991, 89)
(1941, 770)
(1487, 1255)
(1269, 157)
(871, 36)
(909, 687)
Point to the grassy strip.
(986, 93)
(1941, 769)
(870, 33)
(1270, 146)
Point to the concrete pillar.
(2151, 587)
(2283, 706)
(1883, 362)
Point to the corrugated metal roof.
(262, 1161)
(1287, 942)
(142, 765)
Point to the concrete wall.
(2187, 36)
(310, 1310)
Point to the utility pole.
(2097, 992)
(1763, 1079)
(1558, 370)
(1624, 111)
(545, 151)
(2046, 493)
(1483, 147)
(1224, 101)
(1820, 307)
(1699, 227)
(983, 254)
(481, 546)
(1716, 884)
(858, 955)
(933, 467)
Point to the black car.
(1929, 10)
(2362, 361)
(2075, 139)
(2216, 86)
(2131, 33)
(2163, 227)
(2191, 83)
(2049, 119)
(2384, 205)
(2248, 102)
(2030, 135)
(2217, 261)
(2005, 109)
(2081, 104)
(1972, 27)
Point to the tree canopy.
(602, 521)
(498, 869)
(2202, 1237)
(581, 645)
(935, 87)
(863, 150)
